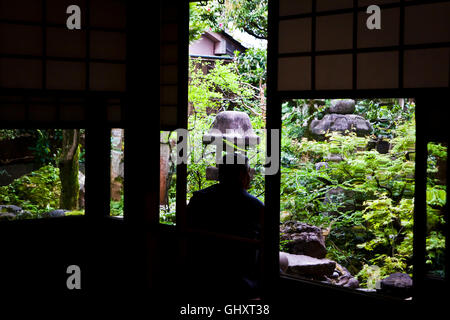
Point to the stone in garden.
(345, 199)
(320, 165)
(7, 216)
(346, 106)
(55, 213)
(345, 278)
(383, 146)
(304, 239)
(397, 284)
(10, 208)
(308, 266)
(284, 261)
(234, 126)
(334, 157)
(164, 168)
(81, 183)
(340, 123)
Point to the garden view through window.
(347, 165)
(167, 178)
(42, 173)
(347, 192)
(117, 173)
(436, 205)
(227, 80)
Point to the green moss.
(75, 213)
(37, 191)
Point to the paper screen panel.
(21, 10)
(294, 74)
(388, 35)
(12, 112)
(107, 13)
(72, 112)
(20, 39)
(169, 54)
(169, 64)
(366, 3)
(43, 112)
(114, 113)
(334, 72)
(107, 76)
(295, 35)
(326, 5)
(168, 94)
(427, 23)
(108, 45)
(426, 68)
(168, 74)
(169, 32)
(292, 7)
(66, 75)
(377, 70)
(20, 73)
(168, 116)
(56, 11)
(74, 43)
(334, 32)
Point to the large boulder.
(10, 208)
(397, 284)
(345, 106)
(340, 123)
(302, 265)
(324, 270)
(303, 239)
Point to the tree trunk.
(68, 169)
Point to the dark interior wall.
(36, 255)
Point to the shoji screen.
(170, 42)
(326, 45)
(38, 52)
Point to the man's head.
(235, 171)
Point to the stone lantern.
(230, 128)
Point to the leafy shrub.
(36, 192)
(372, 225)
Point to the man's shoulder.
(254, 200)
(206, 191)
(212, 193)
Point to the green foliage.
(45, 150)
(75, 213)
(116, 207)
(252, 66)
(249, 16)
(168, 215)
(9, 134)
(436, 196)
(221, 88)
(36, 192)
(385, 114)
(365, 200)
(197, 23)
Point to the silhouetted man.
(223, 267)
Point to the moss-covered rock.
(37, 191)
